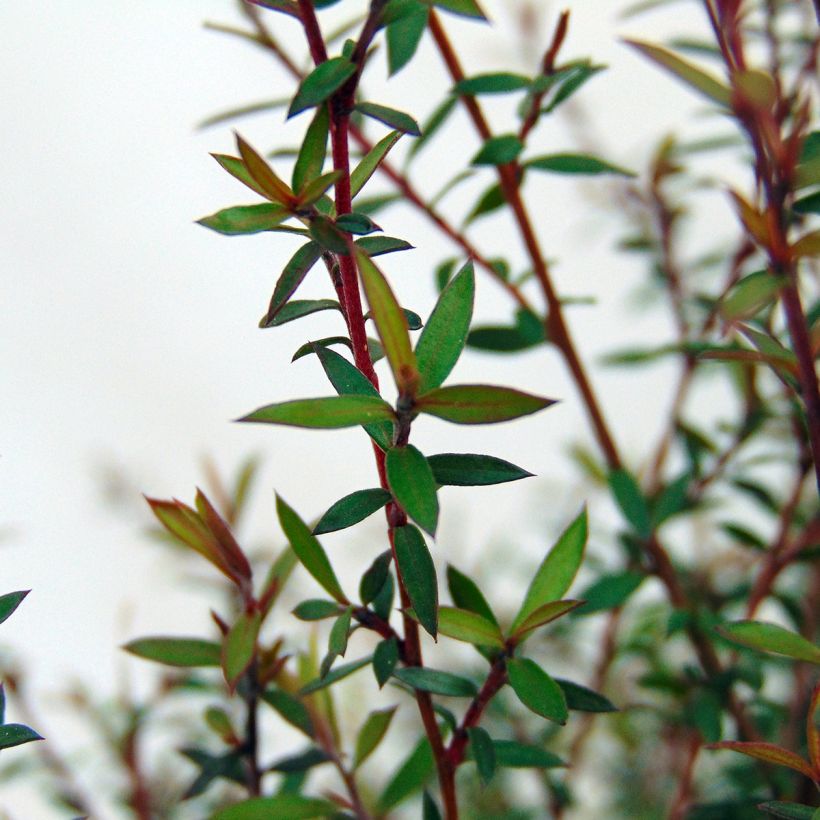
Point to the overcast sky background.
(129, 334)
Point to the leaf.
(473, 470)
(321, 83)
(325, 232)
(501, 82)
(491, 200)
(294, 272)
(770, 753)
(296, 309)
(510, 754)
(289, 708)
(767, 637)
(413, 486)
(336, 674)
(324, 413)
(390, 323)
(316, 609)
(537, 690)
(397, 120)
(236, 168)
(358, 224)
(10, 601)
(378, 245)
(351, 509)
(790, 811)
(466, 594)
(263, 175)
(436, 682)
(316, 189)
(300, 762)
(527, 332)
(418, 574)
(750, 295)
(371, 734)
(429, 809)
(404, 34)
(470, 627)
(557, 571)
(632, 502)
(413, 773)
(310, 347)
(184, 652)
(479, 403)
(483, 752)
(541, 616)
(464, 8)
(15, 734)
(609, 592)
(246, 219)
(809, 204)
(371, 161)
(239, 646)
(311, 158)
(433, 124)
(581, 699)
(283, 806)
(807, 245)
(499, 150)
(574, 164)
(694, 77)
(309, 550)
(385, 659)
(443, 338)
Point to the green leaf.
(325, 232)
(464, 8)
(466, 594)
(390, 323)
(371, 161)
(312, 153)
(433, 124)
(574, 164)
(236, 168)
(315, 190)
(397, 120)
(310, 347)
(339, 632)
(371, 734)
(309, 550)
(632, 502)
(694, 77)
(347, 379)
(264, 177)
(296, 309)
(246, 219)
(383, 602)
(15, 734)
(294, 272)
(351, 509)
(437, 682)
(609, 592)
(374, 577)
(239, 646)
(581, 699)
(770, 753)
(541, 616)
(413, 486)
(750, 295)
(378, 245)
(413, 773)
(289, 708)
(473, 470)
(513, 755)
(501, 82)
(418, 573)
(470, 627)
(300, 762)
(385, 659)
(281, 806)
(537, 690)
(336, 674)
(527, 332)
(499, 150)
(321, 83)
(324, 413)
(316, 609)
(429, 809)
(404, 32)
(558, 569)
(483, 752)
(442, 340)
(789, 811)
(479, 403)
(10, 601)
(768, 637)
(183, 652)
(808, 205)
(491, 200)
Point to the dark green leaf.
(581, 699)
(789, 811)
(413, 486)
(324, 413)
(10, 601)
(436, 681)
(632, 502)
(571, 78)
(498, 83)
(227, 766)
(467, 595)
(413, 773)
(337, 642)
(280, 806)
(483, 752)
(429, 809)
(609, 592)
(183, 652)
(491, 200)
(378, 245)
(239, 646)
(298, 308)
(808, 204)
(404, 32)
(310, 347)
(301, 762)
(351, 509)
(309, 550)
(246, 219)
(510, 754)
(537, 690)
(499, 150)
(464, 8)
(397, 120)
(316, 609)
(385, 659)
(294, 272)
(371, 161)
(290, 708)
(334, 675)
(472, 470)
(15, 734)
(768, 637)
(311, 158)
(374, 578)
(575, 164)
(325, 232)
(358, 224)
(371, 734)
(479, 403)
(415, 565)
(326, 78)
(505, 339)
(443, 338)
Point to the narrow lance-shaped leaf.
(437, 682)
(351, 509)
(335, 675)
(575, 164)
(182, 652)
(418, 573)
(499, 150)
(483, 752)
(557, 570)
(413, 773)
(397, 120)
(770, 753)
(767, 637)
(263, 175)
(290, 708)
(537, 690)
(294, 272)
(404, 34)
(632, 502)
(246, 219)
(15, 734)
(285, 805)
(375, 577)
(339, 633)
(311, 158)
(326, 78)
(324, 413)
(371, 734)
(413, 486)
(610, 591)
(239, 646)
(788, 811)
(466, 594)
(297, 309)
(581, 699)
(479, 403)
(464, 8)
(473, 470)
(10, 601)
(385, 659)
(309, 550)
(541, 616)
(470, 627)
(236, 168)
(495, 83)
(371, 161)
(443, 337)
